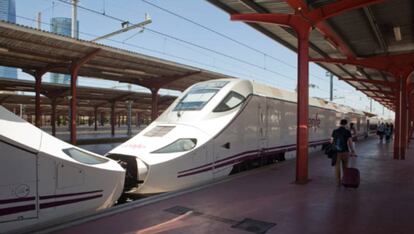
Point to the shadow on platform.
(267, 201)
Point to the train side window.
(232, 100)
(84, 157)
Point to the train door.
(262, 125)
(18, 186)
(225, 145)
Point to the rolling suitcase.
(351, 178)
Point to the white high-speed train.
(44, 180)
(215, 127)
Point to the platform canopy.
(32, 50)
(377, 29)
(89, 98)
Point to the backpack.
(338, 143)
(339, 140)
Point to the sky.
(173, 38)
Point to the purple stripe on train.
(13, 200)
(65, 202)
(17, 209)
(68, 194)
(30, 207)
(243, 156)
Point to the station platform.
(267, 200)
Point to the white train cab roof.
(268, 91)
(281, 94)
(15, 129)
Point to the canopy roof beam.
(375, 29)
(391, 85)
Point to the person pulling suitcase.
(342, 140)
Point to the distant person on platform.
(381, 132)
(387, 133)
(342, 139)
(354, 134)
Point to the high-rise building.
(62, 26)
(8, 13)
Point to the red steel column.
(154, 109)
(301, 21)
(411, 115)
(113, 118)
(73, 82)
(397, 130)
(403, 111)
(53, 116)
(38, 111)
(302, 104)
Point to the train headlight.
(179, 145)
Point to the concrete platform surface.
(267, 201)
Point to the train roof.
(15, 130)
(268, 91)
(281, 94)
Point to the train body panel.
(46, 180)
(229, 122)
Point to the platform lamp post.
(129, 106)
(74, 18)
(330, 75)
(370, 105)
(69, 99)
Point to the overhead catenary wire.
(142, 48)
(68, 2)
(202, 47)
(184, 41)
(223, 35)
(92, 11)
(157, 51)
(216, 32)
(193, 44)
(226, 37)
(218, 53)
(202, 26)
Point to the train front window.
(199, 96)
(84, 157)
(232, 100)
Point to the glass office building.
(8, 13)
(62, 26)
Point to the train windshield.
(199, 96)
(84, 157)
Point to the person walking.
(387, 133)
(342, 139)
(381, 131)
(354, 135)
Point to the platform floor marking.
(247, 224)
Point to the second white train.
(216, 126)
